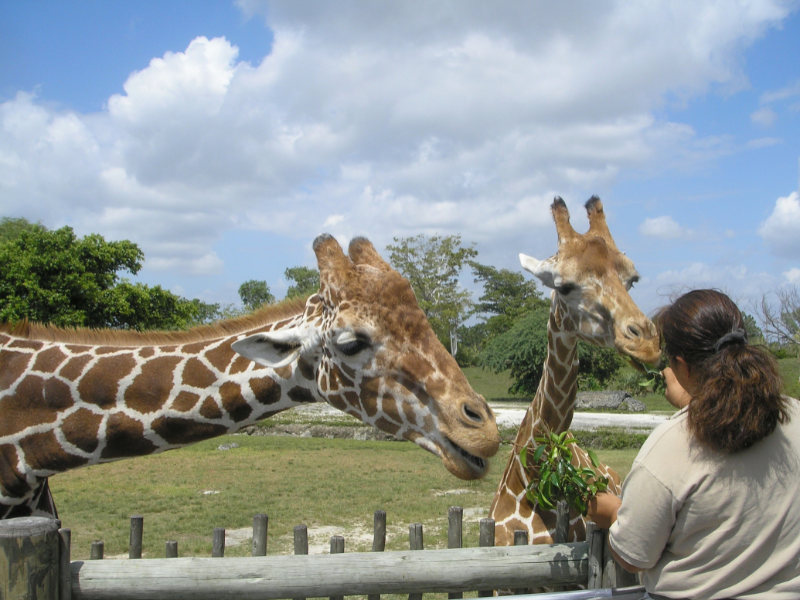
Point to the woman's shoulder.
(666, 439)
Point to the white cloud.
(381, 119)
(793, 275)
(663, 228)
(765, 117)
(780, 230)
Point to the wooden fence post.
(486, 539)
(378, 539)
(596, 539)
(521, 539)
(98, 548)
(455, 521)
(260, 527)
(29, 558)
(614, 575)
(337, 547)
(300, 543)
(64, 573)
(171, 549)
(415, 543)
(562, 522)
(137, 530)
(218, 543)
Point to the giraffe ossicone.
(72, 398)
(590, 281)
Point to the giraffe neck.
(552, 405)
(551, 409)
(66, 404)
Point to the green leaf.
(537, 454)
(593, 458)
(523, 457)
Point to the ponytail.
(737, 400)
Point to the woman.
(711, 507)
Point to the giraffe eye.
(351, 344)
(566, 288)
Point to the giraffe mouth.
(476, 463)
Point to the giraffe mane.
(118, 337)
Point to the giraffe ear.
(541, 269)
(275, 349)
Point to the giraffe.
(590, 280)
(73, 398)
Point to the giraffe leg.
(45, 505)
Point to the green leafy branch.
(558, 478)
(654, 376)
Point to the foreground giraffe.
(72, 398)
(590, 280)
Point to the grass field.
(333, 486)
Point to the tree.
(781, 320)
(255, 293)
(306, 282)
(523, 350)
(11, 228)
(432, 266)
(54, 277)
(507, 295)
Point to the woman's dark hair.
(738, 399)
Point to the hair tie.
(739, 336)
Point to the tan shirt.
(710, 525)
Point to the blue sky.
(222, 137)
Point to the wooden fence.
(35, 564)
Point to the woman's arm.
(603, 511)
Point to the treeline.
(55, 277)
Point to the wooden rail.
(35, 563)
(406, 572)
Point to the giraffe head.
(590, 279)
(373, 355)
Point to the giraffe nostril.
(472, 415)
(634, 331)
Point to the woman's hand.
(675, 394)
(603, 509)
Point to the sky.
(223, 137)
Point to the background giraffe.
(590, 280)
(72, 398)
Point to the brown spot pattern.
(101, 382)
(12, 482)
(196, 374)
(27, 344)
(195, 348)
(147, 352)
(151, 388)
(73, 369)
(81, 429)
(43, 452)
(125, 437)
(210, 410)
(185, 431)
(298, 394)
(306, 369)
(221, 356)
(12, 365)
(233, 403)
(284, 372)
(239, 365)
(265, 390)
(387, 426)
(48, 361)
(26, 407)
(185, 401)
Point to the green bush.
(523, 351)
